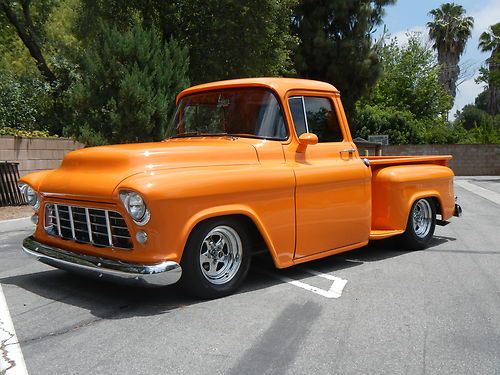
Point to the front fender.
(181, 198)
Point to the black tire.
(419, 233)
(203, 283)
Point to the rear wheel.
(216, 258)
(421, 224)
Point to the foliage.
(128, 87)
(336, 44)
(441, 132)
(226, 39)
(233, 39)
(409, 80)
(450, 29)
(25, 101)
(470, 116)
(399, 125)
(480, 125)
(403, 127)
(488, 132)
(25, 133)
(490, 41)
(27, 20)
(408, 102)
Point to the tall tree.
(336, 44)
(410, 80)
(450, 29)
(408, 102)
(490, 41)
(226, 39)
(236, 38)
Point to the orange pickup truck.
(248, 165)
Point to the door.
(333, 207)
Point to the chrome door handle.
(349, 150)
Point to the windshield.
(250, 112)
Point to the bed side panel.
(395, 188)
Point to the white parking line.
(492, 196)
(11, 356)
(335, 290)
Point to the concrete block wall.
(468, 160)
(35, 154)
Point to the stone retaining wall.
(35, 154)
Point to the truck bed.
(383, 161)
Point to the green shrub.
(6, 131)
(399, 125)
(24, 102)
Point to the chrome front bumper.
(160, 274)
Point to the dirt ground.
(15, 212)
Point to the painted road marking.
(335, 290)
(11, 356)
(492, 196)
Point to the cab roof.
(280, 85)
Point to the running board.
(378, 234)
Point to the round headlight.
(135, 206)
(30, 195)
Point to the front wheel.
(216, 258)
(421, 224)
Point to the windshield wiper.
(197, 134)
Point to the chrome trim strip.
(70, 214)
(56, 209)
(305, 114)
(89, 226)
(164, 273)
(108, 227)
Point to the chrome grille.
(93, 226)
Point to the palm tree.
(490, 41)
(449, 30)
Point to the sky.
(409, 16)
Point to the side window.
(320, 118)
(299, 119)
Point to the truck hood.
(96, 172)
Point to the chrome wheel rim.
(220, 255)
(422, 218)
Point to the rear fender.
(396, 188)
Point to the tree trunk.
(448, 76)
(494, 89)
(26, 32)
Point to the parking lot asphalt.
(435, 311)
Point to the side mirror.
(305, 140)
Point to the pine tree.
(235, 39)
(336, 44)
(127, 92)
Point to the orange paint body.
(307, 200)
